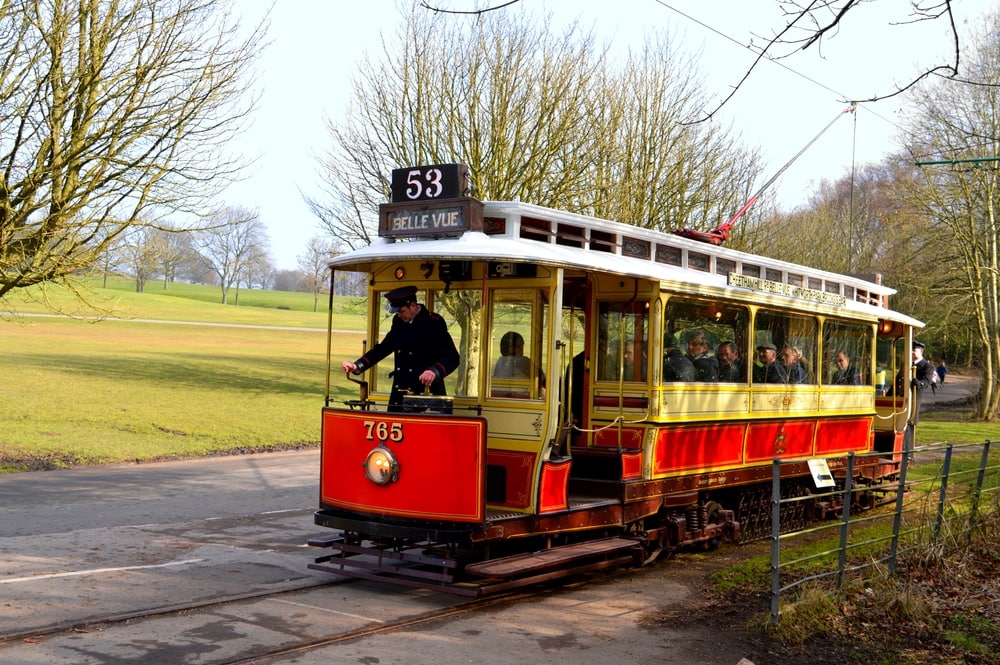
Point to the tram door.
(892, 367)
(575, 362)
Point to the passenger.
(635, 349)
(791, 361)
(512, 363)
(677, 366)
(706, 366)
(769, 370)
(424, 350)
(846, 373)
(730, 363)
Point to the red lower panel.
(698, 447)
(844, 436)
(632, 465)
(442, 470)
(631, 437)
(555, 478)
(789, 438)
(520, 474)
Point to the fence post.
(945, 471)
(978, 491)
(775, 536)
(845, 515)
(898, 517)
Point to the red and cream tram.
(604, 449)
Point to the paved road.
(957, 388)
(80, 547)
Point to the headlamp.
(381, 466)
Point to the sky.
(315, 45)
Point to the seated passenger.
(730, 363)
(635, 371)
(791, 361)
(512, 363)
(769, 370)
(706, 366)
(846, 373)
(677, 367)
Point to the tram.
(605, 450)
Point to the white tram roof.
(527, 233)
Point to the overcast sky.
(315, 45)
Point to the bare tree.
(846, 222)
(314, 266)
(289, 280)
(537, 116)
(172, 249)
(142, 254)
(234, 244)
(115, 114)
(807, 24)
(958, 192)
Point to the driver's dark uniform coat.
(422, 344)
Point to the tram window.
(463, 311)
(693, 331)
(794, 340)
(847, 353)
(623, 345)
(518, 350)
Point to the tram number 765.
(382, 431)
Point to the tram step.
(521, 564)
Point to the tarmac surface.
(204, 562)
(957, 388)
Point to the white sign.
(821, 473)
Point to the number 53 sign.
(430, 183)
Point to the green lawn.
(184, 302)
(163, 382)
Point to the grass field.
(175, 377)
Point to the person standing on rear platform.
(424, 350)
(920, 381)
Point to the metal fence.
(934, 508)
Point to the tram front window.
(462, 311)
(518, 351)
(847, 353)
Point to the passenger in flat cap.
(767, 369)
(424, 350)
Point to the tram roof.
(522, 232)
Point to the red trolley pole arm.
(720, 234)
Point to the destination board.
(437, 219)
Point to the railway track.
(252, 628)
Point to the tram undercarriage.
(511, 550)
